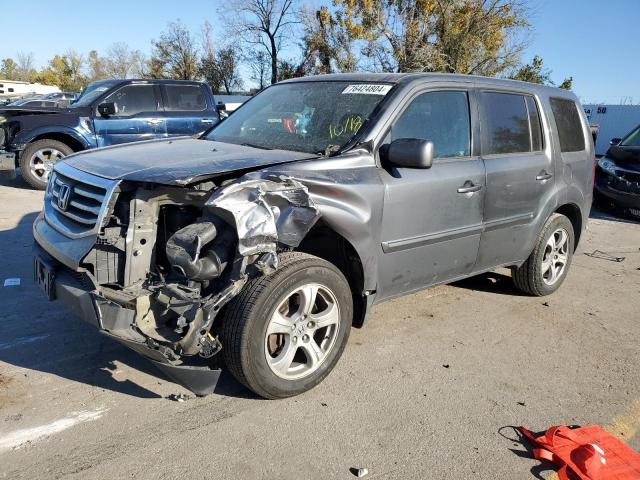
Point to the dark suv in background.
(266, 239)
(108, 112)
(618, 175)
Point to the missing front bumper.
(114, 321)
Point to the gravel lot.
(428, 389)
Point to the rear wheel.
(547, 266)
(38, 158)
(285, 332)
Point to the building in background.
(614, 121)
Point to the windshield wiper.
(262, 147)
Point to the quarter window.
(505, 124)
(185, 98)
(440, 117)
(133, 99)
(568, 123)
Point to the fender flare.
(23, 138)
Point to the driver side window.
(440, 117)
(133, 99)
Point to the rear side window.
(505, 124)
(568, 122)
(441, 117)
(189, 98)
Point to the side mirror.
(107, 109)
(410, 153)
(615, 141)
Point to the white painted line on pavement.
(12, 282)
(18, 438)
(23, 340)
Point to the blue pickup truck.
(108, 112)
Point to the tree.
(221, 70)
(95, 65)
(65, 71)
(567, 83)
(535, 72)
(259, 65)
(263, 24)
(121, 61)
(9, 69)
(327, 48)
(483, 37)
(24, 66)
(287, 69)
(174, 54)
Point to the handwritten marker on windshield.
(12, 282)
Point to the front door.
(432, 218)
(520, 176)
(137, 118)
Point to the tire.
(247, 347)
(50, 151)
(535, 276)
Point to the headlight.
(607, 165)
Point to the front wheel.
(285, 332)
(38, 158)
(547, 266)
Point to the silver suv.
(266, 239)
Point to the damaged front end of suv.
(159, 262)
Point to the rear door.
(432, 218)
(187, 110)
(520, 175)
(138, 116)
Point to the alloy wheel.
(42, 161)
(555, 257)
(302, 331)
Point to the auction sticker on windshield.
(367, 89)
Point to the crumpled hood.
(178, 161)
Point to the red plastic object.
(586, 453)
(289, 125)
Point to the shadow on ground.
(491, 282)
(17, 182)
(41, 336)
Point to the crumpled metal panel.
(266, 212)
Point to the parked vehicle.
(267, 238)
(108, 112)
(618, 175)
(34, 102)
(61, 96)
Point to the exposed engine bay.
(173, 257)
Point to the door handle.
(543, 175)
(206, 120)
(469, 187)
(154, 121)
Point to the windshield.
(632, 140)
(311, 117)
(91, 92)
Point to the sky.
(593, 41)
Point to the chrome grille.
(76, 202)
